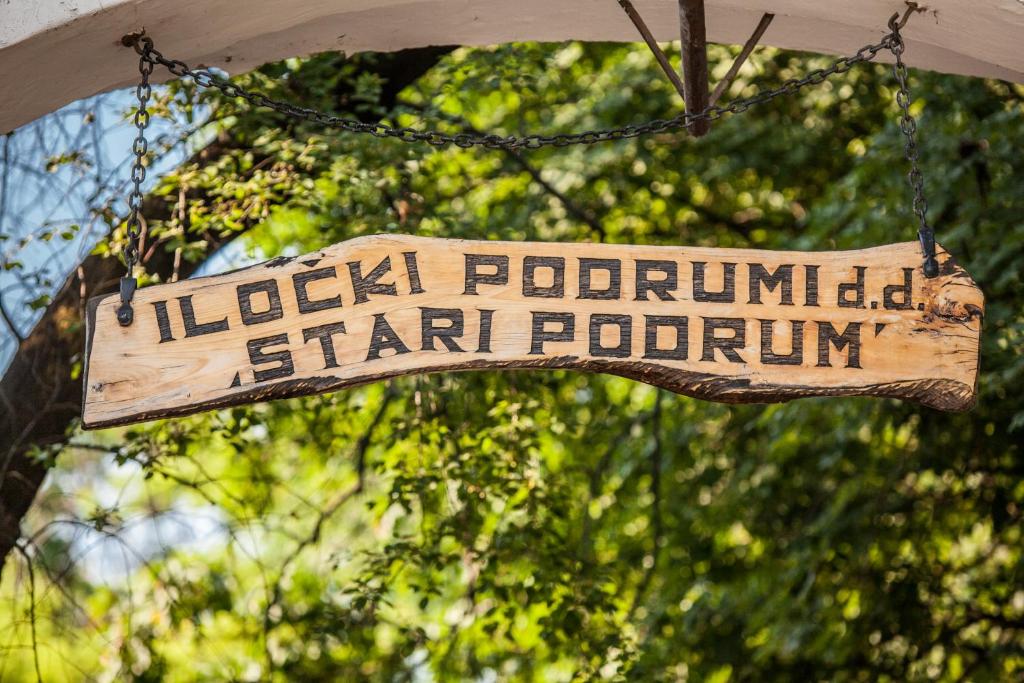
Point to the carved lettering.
(677, 323)
(412, 268)
(363, 287)
(245, 293)
(484, 342)
(796, 353)
(300, 281)
(727, 345)
(890, 292)
(325, 335)
(624, 323)
(556, 290)
(258, 355)
(855, 288)
(445, 334)
(384, 338)
(726, 295)
(194, 329)
(611, 266)
(661, 287)
(783, 276)
(541, 335)
(811, 285)
(163, 321)
(828, 337)
(474, 275)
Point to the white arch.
(56, 51)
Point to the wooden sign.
(729, 325)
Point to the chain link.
(140, 146)
(206, 79)
(133, 227)
(908, 126)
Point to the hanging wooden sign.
(729, 325)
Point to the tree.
(554, 526)
(41, 395)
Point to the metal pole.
(695, 61)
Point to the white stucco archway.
(56, 51)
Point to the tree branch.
(657, 524)
(10, 323)
(49, 399)
(362, 445)
(572, 208)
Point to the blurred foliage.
(551, 525)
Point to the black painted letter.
(325, 333)
(759, 275)
(728, 293)
(163, 321)
(274, 310)
(660, 287)
(856, 287)
(431, 331)
(384, 337)
(540, 335)
(257, 356)
(796, 354)
(485, 331)
(811, 286)
(557, 266)
(301, 280)
(474, 277)
(727, 345)
(905, 290)
(614, 269)
(625, 325)
(850, 337)
(651, 326)
(365, 286)
(188, 316)
(414, 272)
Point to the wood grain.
(729, 325)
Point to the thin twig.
(657, 524)
(582, 214)
(361, 448)
(183, 217)
(24, 434)
(3, 178)
(10, 323)
(3, 211)
(32, 609)
(596, 479)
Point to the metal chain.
(925, 233)
(205, 78)
(133, 228)
(149, 56)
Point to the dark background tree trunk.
(40, 398)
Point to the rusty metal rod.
(751, 43)
(659, 55)
(694, 37)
